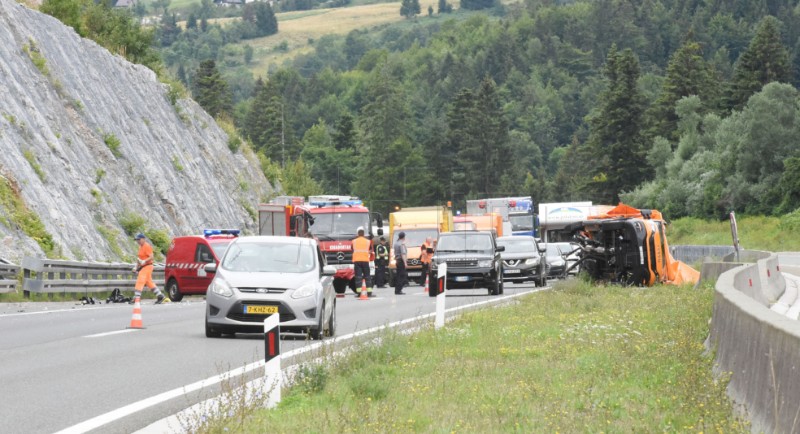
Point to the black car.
(523, 260)
(473, 261)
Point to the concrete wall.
(758, 347)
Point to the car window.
(269, 257)
(203, 254)
(219, 248)
(518, 246)
(416, 237)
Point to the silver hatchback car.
(264, 275)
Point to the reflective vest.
(424, 257)
(361, 249)
(382, 252)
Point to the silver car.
(264, 275)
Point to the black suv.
(473, 261)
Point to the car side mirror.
(210, 268)
(328, 270)
(501, 248)
(429, 250)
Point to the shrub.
(132, 223)
(113, 144)
(160, 239)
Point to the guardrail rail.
(59, 276)
(8, 277)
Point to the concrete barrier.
(691, 254)
(759, 348)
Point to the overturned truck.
(628, 246)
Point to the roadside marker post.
(441, 289)
(272, 360)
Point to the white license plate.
(511, 271)
(461, 279)
(343, 266)
(415, 274)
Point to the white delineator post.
(272, 360)
(440, 288)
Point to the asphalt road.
(77, 368)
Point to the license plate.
(461, 279)
(261, 310)
(511, 271)
(343, 266)
(415, 274)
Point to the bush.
(160, 239)
(132, 223)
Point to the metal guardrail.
(58, 276)
(8, 277)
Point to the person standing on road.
(144, 266)
(425, 259)
(361, 253)
(381, 262)
(401, 261)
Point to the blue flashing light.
(335, 203)
(208, 233)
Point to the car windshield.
(523, 245)
(220, 247)
(339, 223)
(269, 257)
(565, 248)
(415, 238)
(521, 222)
(465, 241)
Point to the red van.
(184, 271)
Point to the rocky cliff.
(89, 141)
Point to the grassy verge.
(579, 358)
(757, 232)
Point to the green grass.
(17, 214)
(37, 168)
(113, 144)
(756, 232)
(579, 358)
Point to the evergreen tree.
(266, 23)
(616, 144)
(475, 5)
(344, 137)
(765, 60)
(409, 8)
(191, 21)
(211, 90)
(443, 7)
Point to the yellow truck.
(418, 223)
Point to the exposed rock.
(173, 165)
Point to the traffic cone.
(363, 295)
(136, 319)
(427, 281)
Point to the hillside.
(92, 147)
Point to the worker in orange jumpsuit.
(144, 266)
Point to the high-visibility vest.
(361, 249)
(382, 251)
(424, 257)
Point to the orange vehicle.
(488, 222)
(284, 215)
(629, 246)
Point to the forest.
(687, 106)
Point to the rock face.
(64, 103)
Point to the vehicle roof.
(278, 239)
(468, 232)
(516, 237)
(337, 208)
(212, 239)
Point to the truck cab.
(184, 271)
(419, 224)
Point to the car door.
(198, 277)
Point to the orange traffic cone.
(363, 295)
(136, 319)
(427, 281)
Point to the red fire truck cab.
(336, 223)
(284, 215)
(184, 271)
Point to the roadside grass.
(579, 358)
(755, 232)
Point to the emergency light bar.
(210, 232)
(356, 202)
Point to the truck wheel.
(173, 291)
(501, 286)
(392, 277)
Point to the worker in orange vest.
(362, 249)
(144, 268)
(425, 259)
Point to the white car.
(266, 275)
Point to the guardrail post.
(441, 289)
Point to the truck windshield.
(415, 238)
(465, 241)
(340, 223)
(522, 222)
(523, 245)
(269, 257)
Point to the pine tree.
(266, 23)
(344, 136)
(409, 8)
(765, 60)
(211, 90)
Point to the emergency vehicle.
(184, 271)
(518, 213)
(284, 215)
(336, 223)
(418, 223)
(488, 222)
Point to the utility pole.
(283, 142)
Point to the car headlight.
(220, 287)
(532, 261)
(485, 263)
(304, 291)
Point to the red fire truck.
(284, 215)
(336, 223)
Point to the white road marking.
(135, 407)
(100, 335)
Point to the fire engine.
(184, 271)
(517, 213)
(284, 215)
(336, 223)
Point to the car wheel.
(501, 287)
(392, 278)
(173, 291)
(211, 332)
(316, 333)
(331, 330)
(340, 286)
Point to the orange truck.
(487, 222)
(629, 246)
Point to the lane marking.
(122, 412)
(100, 335)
